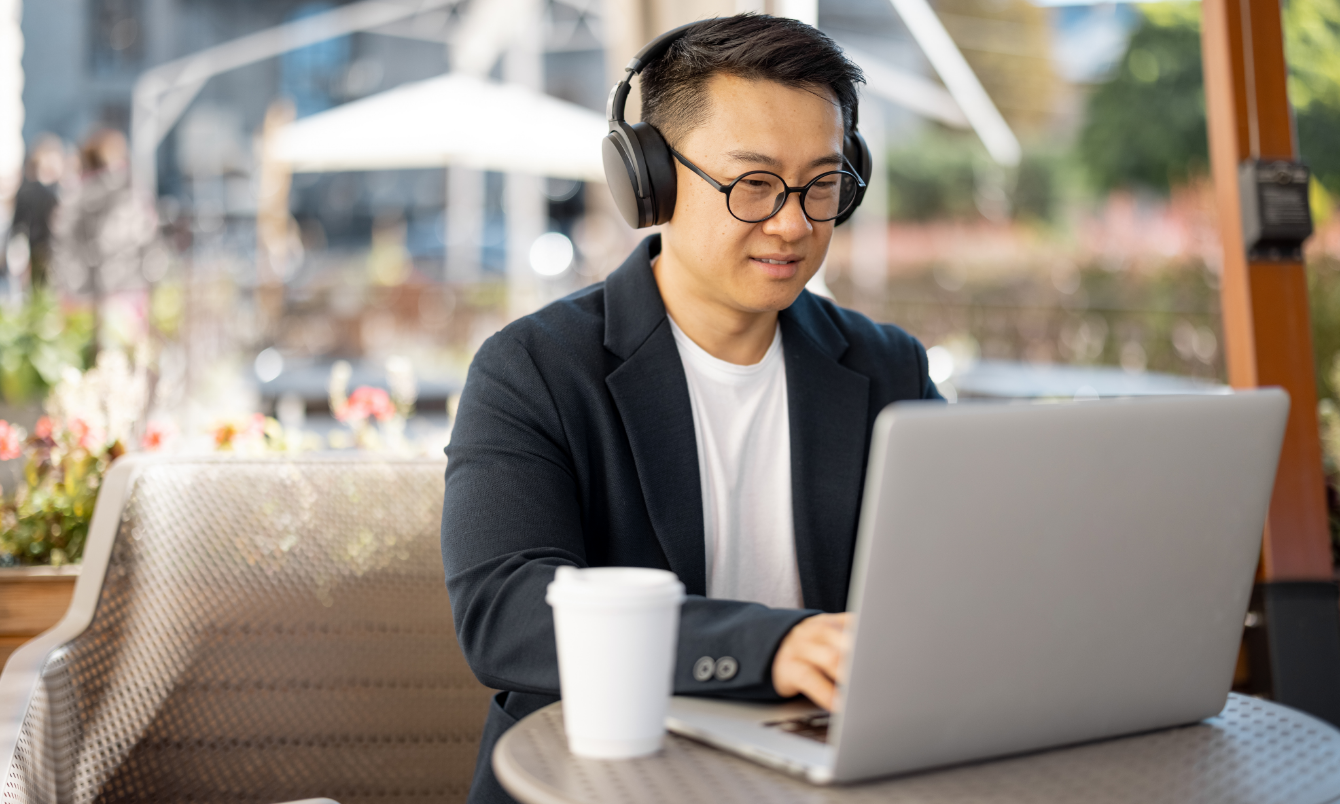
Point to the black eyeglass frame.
(725, 189)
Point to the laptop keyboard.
(813, 726)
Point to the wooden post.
(1268, 341)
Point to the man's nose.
(790, 222)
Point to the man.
(698, 411)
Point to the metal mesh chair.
(250, 631)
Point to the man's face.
(753, 125)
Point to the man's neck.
(724, 332)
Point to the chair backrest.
(264, 630)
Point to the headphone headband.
(656, 48)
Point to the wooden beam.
(1267, 334)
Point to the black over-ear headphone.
(639, 168)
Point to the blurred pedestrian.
(34, 204)
(102, 236)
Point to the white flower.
(400, 377)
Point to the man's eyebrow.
(773, 162)
(756, 157)
(829, 160)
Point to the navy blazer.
(574, 444)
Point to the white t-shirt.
(742, 427)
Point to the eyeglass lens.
(758, 196)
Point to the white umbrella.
(453, 119)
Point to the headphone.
(639, 169)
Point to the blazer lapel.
(652, 396)
(828, 407)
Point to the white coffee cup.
(617, 629)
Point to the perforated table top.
(1254, 752)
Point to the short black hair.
(750, 46)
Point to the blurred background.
(281, 225)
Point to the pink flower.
(89, 438)
(366, 401)
(45, 427)
(155, 433)
(11, 441)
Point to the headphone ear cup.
(627, 187)
(660, 171)
(858, 154)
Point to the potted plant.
(91, 420)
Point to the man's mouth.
(783, 267)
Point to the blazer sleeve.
(511, 515)
(929, 390)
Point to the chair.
(250, 630)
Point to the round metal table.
(1254, 752)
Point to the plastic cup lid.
(623, 586)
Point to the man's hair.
(750, 46)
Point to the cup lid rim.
(629, 585)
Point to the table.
(1254, 752)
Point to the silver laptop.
(1030, 576)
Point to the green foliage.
(1323, 295)
(1036, 186)
(47, 522)
(1312, 48)
(1146, 125)
(933, 179)
(946, 177)
(37, 342)
(1319, 142)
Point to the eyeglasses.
(758, 195)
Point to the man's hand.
(808, 659)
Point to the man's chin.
(773, 298)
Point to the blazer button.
(727, 667)
(705, 667)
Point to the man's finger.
(815, 686)
(838, 638)
(842, 634)
(825, 657)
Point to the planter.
(32, 599)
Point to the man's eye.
(826, 184)
(757, 184)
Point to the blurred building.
(85, 55)
(380, 262)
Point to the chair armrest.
(20, 683)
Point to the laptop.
(1030, 576)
